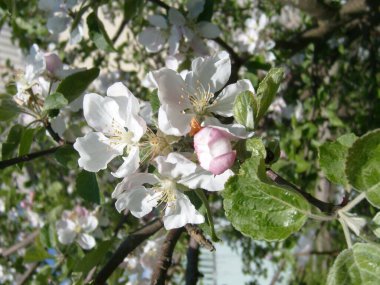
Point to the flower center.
(118, 134)
(167, 190)
(200, 98)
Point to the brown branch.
(192, 272)
(28, 157)
(125, 248)
(165, 258)
(53, 134)
(160, 3)
(197, 234)
(29, 272)
(25, 242)
(278, 272)
(325, 207)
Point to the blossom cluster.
(191, 147)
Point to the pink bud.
(214, 151)
(53, 63)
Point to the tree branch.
(25, 242)
(192, 272)
(325, 207)
(126, 247)
(165, 258)
(160, 3)
(28, 157)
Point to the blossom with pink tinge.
(214, 150)
(53, 63)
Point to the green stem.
(353, 203)
(346, 232)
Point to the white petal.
(76, 35)
(174, 38)
(236, 130)
(173, 122)
(66, 236)
(58, 23)
(223, 104)
(58, 125)
(208, 30)
(101, 113)
(88, 223)
(158, 21)
(195, 8)
(170, 88)
(95, 151)
(133, 181)
(149, 81)
(204, 179)
(48, 5)
(140, 201)
(181, 212)
(174, 165)
(152, 39)
(176, 18)
(65, 224)
(130, 164)
(199, 47)
(212, 72)
(86, 241)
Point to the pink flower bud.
(214, 151)
(53, 63)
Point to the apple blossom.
(182, 101)
(76, 226)
(118, 126)
(214, 151)
(174, 172)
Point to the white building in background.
(8, 51)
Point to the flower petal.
(195, 8)
(101, 113)
(173, 122)
(204, 179)
(152, 39)
(224, 103)
(181, 212)
(132, 181)
(212, 72)
(130, 164)
(88, 223)
(174, 165)
(66, 236)
(95, 151)
(235, 130)
(176, 18)
(57, 23)
(86, 241)
(208, 30)
(158, 21)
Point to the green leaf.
(267, 90)
(55, 101)
(256, 147)
(8, 109)
(245, 107)
(260, 209)
(26, 142)
(332, 158)
(36, 253)
(363, 166)
(75, 84)
(12, 143)
(273, 151)
(87, 186)
(94, 257)
(358, 265)
(67, 157)
(98, 33)
(131, 8)
(210, 220)
(154, 101)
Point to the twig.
(28, 157)
(127, 246)
(278, 272)
(197, 234)
(325, 207)
(26, 276)
(53, 134)
(165, 258)
(29, 239)
(192, 272)
(160, 3)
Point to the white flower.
(118, 126)
(76, 226)
(174, 172)
(183, 101)
(2, 206)
(178, 27)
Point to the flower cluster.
(191, 148)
